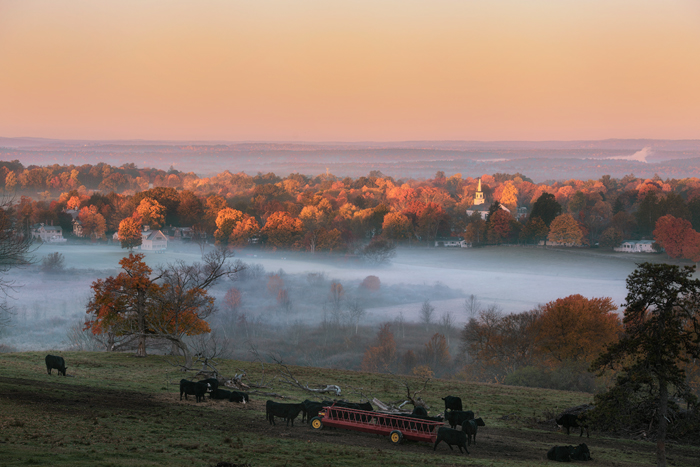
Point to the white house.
(454, 242)
(153, 240)
(636, 246)
(48, 233)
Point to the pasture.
(118, 410)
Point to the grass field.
(118, 410)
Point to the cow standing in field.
(193, 388)
(452, 403)
(58, 363)
(286, 411)
(450, 437)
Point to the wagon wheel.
(395, 437)
(316, 423)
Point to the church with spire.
(480, 204)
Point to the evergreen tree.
(661, 331)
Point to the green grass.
(118, 410)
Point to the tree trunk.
(663, 424)
(141, 350)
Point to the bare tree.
(472, 306)
(426, 313)
(356, 312)
(183, 294)
(401, 322)
(447, 324)
(15, 250)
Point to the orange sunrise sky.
(323, 70)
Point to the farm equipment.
(396, 427)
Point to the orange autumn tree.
(577, 329)
(121, 305)
(170, 306)
(382, 357)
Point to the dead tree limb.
(412, 397)
(286, 376)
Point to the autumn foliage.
(381, 357)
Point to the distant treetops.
(326, 213)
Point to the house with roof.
(636, 246)
(48, 233)
(453, 242)
(153, 240)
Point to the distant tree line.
(326, 213)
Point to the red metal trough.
(395, 426)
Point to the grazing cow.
(287, 411)
(212, 382)
(219, 394)
(58, 363)
(450, 437)
(366, 406)
(310, 410)
(420, 411)
(239, 397)
(457, 417)
(470, 427)
(422, 422)
(193, 388)
(572, 420)
(452, 403)
(569, 453)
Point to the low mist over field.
(48, 305)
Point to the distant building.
(154, 240)
(455, 242)
(479, 205)
(48, 233)
(636, 246)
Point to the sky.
(357, 70)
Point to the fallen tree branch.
(286, 376)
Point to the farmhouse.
(48, 233)
(636, 246)
(153, 240)
(457, 242)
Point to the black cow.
(310, 410)
(58, 363)
(457, 417)
(238, 396)
(194, 388)
(287, 411)
(212, 382)
(572, 420)
(366, 406)
(470, 427)
(452, 403)
(450, 437)
(220, 394)
(569, 453)
(420, 411)
(560, 454)
(581, 453)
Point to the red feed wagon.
(396, 427)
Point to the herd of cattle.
(199, 389)
(453, 414)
